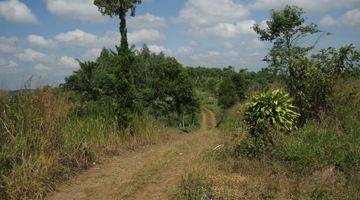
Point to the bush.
(270, 109)
(311, 80)
(226, 95)
(266, 115)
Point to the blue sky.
(42, 38)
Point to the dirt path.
(152, 173)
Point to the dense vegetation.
(294, 120)
(310, 136)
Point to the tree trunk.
(183, 121)
(123, 31)
(289, 48)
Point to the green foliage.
(226, 94)
(241, 84)
(193, 186)
(111, 77)
(273, 109)
(83, 81)
(206, 79)
(333, 140)
(125, 92)
(318, 145)
(211, 85)
(336, 62)
(119, 8)
(286, 29)
(250, 147)
(244, 82)
(173, 90)
(153, 82)
(311, 80)
(116, 7)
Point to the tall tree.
(119, 8)
(286, 30)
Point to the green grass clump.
(332, 140)
(320, 145)
(193, 186)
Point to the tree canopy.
(119, 8)
(286, 29)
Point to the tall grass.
(335, 139)
(42, 142)
(320, 160)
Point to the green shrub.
(250, 147)
(193, 186)
(270, 109)
(227, 93)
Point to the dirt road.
(152, 173)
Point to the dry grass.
(42, 144)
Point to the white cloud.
(92, 54)
(145, 35)
(83, 10)
(57, 63)
(42, 67)
(5, 48)
(9, 40)
(185, 51)
(68, 62)
(351, 18)
(30, 55)
(225, 30)
(8, 45)
(16, 11)
(309, 5)
(11, 64)
(78, 38)
(208, 12)
(83, 39)
(158, 49)
(219, 18)
(147, 21)
(328, 21)
(11, 67)
(40, 41)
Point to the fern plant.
(270, 109)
